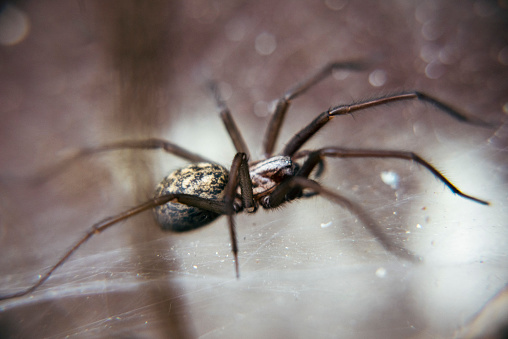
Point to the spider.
(195, 195)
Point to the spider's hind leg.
(81, 153)
(104, 224)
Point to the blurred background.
(84, 73)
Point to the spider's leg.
(239, 174)
(147, 144)
(229, 123)
(239, 170)
(108, 222)
(278, 197)
(282, 105)
(337, 152)
(296, 142)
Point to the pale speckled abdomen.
(202, 179)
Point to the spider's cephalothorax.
(266, 175)
(196, 195)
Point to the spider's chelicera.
(194, 196)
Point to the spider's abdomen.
(202, 179)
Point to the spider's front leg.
(300, 138)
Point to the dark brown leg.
(225, 114)
(307, 132)
(299, 183)
(217, 207)
(272, 131)
(148, 144)
(314, 157)
(239, 174)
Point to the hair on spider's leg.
(283, 103)
(300, 138)
(452, 111)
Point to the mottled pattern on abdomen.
(202, 179)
